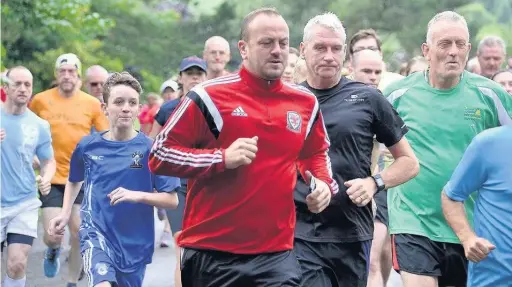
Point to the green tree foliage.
(35, 33)
(406, 21)
(150, 37)
(483, 22)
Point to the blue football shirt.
(26, 135)
(486, 167)
(125, 231)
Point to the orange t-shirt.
(70, 119)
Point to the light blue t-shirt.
(26, 135)
(486, 167)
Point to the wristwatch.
(379, 182)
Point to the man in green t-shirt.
(444, 108)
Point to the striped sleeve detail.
(396, 94)
(313, 118)
(175, 156)
(503, 117)
(200, 97)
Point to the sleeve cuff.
(449, 191)
(74, 180)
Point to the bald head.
(19, 85)
(95, 78)
(96, 69)
(216, 54)
(12, 73)
(216, 41)
(367, 65)
(366, 55)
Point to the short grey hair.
(449, 16)
(327, 20)
(492, 41)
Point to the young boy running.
(117, 228)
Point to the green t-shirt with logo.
(441, 125)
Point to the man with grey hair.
(333, 247)
(426, 251)
(491, 55)
(95, 78)
(216, 54)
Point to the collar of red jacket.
(257, 82)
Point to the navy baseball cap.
(192, 61)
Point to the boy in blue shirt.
(117, 228)
(486, 167)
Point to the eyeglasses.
(94, 84)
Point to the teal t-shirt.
(441, 125)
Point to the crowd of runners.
(308, 166)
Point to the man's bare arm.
(70, 193)
(48, 168)
(405, 166)
(455, 215)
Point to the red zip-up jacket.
(250, 209)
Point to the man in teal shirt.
(444, 108)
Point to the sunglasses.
(95, 84)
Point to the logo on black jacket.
(136, 158)
(294, 121)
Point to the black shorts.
(381, 201)
(207, 268)
(56, 196)
(17, 238)
(175, 216)
(419, 255)
(333, 264)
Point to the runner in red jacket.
(239, 140)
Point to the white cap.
(169, 84)
(69, 59)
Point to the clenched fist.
(477, 248)
(43, 185)
(361, 190)
(57, 224)
(320, 196)
(241, 152)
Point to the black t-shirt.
(353, 114)
(165, 111)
